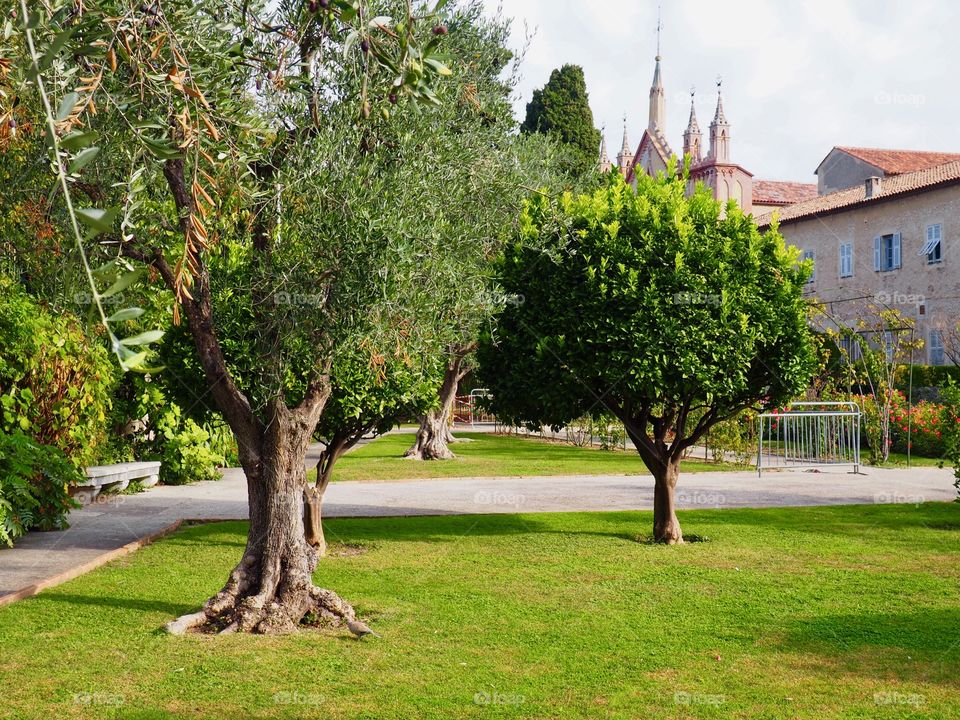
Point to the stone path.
(116, 525)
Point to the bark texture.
(271, 588)
(336, 446)
(666, 527)
(434, 435)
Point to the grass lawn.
(842, 612)
(900, 460)
(488, 455)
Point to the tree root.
(278, 616)
(265, 601)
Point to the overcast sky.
(798, 77)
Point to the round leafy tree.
(671, 312)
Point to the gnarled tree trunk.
(434, 433)
(271, 588)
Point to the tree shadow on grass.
(841, 519)
(927, 642)
(120, 603)
(618, 525)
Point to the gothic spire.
(625, 157)
(658, 100)
(605, 163)
(691, 136)
(719, 118)
(692, 125)
(720, 130)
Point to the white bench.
(114, 478)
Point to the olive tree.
(673, 313)
(365, 398)
(281, 169)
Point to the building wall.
(840, 171)
(761, 209)
(930, 294)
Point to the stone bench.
(114, 478)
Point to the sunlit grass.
(807, 613)
(489, 455)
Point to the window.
(846, 260)
(889, 345)
(933, 248)
(850, 348)
(936, 348)
(886, 252)
(812, 257)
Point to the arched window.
(723, 190)
(737, 194)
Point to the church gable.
(650, 157)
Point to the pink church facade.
(715, 168)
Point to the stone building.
(889, 241)
(846, 167)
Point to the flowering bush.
(921, 427)
(950, 428)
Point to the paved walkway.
(116, 525)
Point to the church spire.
(720, 131)
(625, 157)
(605, 163)
(658, 99)
(692, 135)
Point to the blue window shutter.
(896, 250)
(843, 252)
(876, 254)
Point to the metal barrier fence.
(809, 434)
(467, 411)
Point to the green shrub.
(55, 383)
(737, 436)
(950, 422)
(935, 376)
(186, 452)
(33, 486)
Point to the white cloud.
(798, 78)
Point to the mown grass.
(900, 460)
(840, 612)
(489, 455)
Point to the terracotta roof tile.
(946, 173)
(895, 162)
(777, 192)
